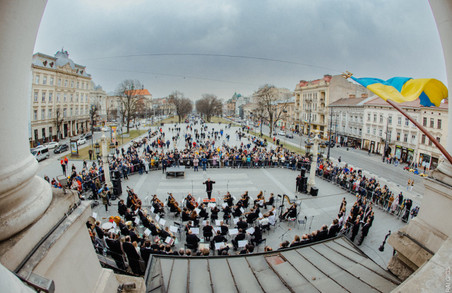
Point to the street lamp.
(97, 149)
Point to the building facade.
(313, 97)
(347, 120)
(60, 98)
(98, 98)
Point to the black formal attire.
(115, 250)
(209, 187)
(122, 209)
(364, 232)
(235, 241)
(207, 232)
(242, 225)
(132, 257)
(334, 229)
(257, 236)
(192, 241)
(145, 254)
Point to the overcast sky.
(222, 47)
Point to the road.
(361, 160)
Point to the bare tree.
(128, 96)
(58, 120)
(209, 106)
(183, 105)
(93, 111)
(270, 104)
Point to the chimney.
(351, 96)
(364, 95)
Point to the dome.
(62, 58)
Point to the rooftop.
(334, 265)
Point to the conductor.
(209, 187)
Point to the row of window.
(427, 141)
(353, 118)
(432, 123)
(83, 97)
(79, 85)
(72, 112)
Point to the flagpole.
(422, 128)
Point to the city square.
(225, 147)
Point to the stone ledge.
(15, 249)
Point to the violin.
(174, 203)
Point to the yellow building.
(60, 98)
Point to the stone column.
(105, 164)
(315, 150)
(23, 196)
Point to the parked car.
(52, 144)
(81, 140)
(87, 135)
(60, 149)
(289, 135)
(41, 153)
(282, 133)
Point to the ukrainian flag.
(430, 91)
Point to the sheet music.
(157, 218)
(217, 229)
(162, 222)
(204, 222)
(147, 232)
(242, 243)
(235, 220)
(95, 215)
(233, 231)
(211, 205)
(250, 230)
(152, 209)
(195, 231)
(137, 221)
(218, 222)
(219, 245)
(174, 229)
(224, 205)
(169, 240)
(242, 209)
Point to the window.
(37, 79)
(439, 123)
(432, 122)
(43, 96)
(72, 84)
(399, 120)
(423, 139)
(380, 133)
(44, 79)
(58, 97)
(70, 115)
(360, 131)
(424, 122)
(413, 139)
(430, 142)
(43, 114)
(398, 136)
(438, 139)
(375, 118)
(368, 117)
(59, 81)
(72, 97)
(65, 83)
(50, 97)
(35, 96)
(407, 122)
(35, 114)
(64, 112)
(381, 118)
(65, 98)
(405, 137)
(374, 131)
(51, 80)
(78, 84)
(76, 97)
(49, 113)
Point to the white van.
(41, 153)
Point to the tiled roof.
(377, 101)
(347, 102)
(143, 92)
(334, 265)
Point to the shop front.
(403, 154)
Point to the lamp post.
(311, 180)
(329, 135)
(97, 149)
(105, 163)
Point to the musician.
(291, 212)
(270, 202)
(207, 231)
(239, 237)
(228, 199)
(259, 199)
(185, 215)
(190, 202)
(237, 211)
(195, 218)
(251, 216)
(192, 241)
(224, 228)
(209, 187)
(203, 212)
(226, 214)
(241, 224)
(131, 196)
(122, 208)
(257, 236)
(244, 200)
(157, 204)
(173, 205)
(214, 213)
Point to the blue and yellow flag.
(430, 91)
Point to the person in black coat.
(209, 187)
(192, 241)
(239, 237)
(257, 236)
(355, 229)
(132, 256)
(146, 251)
(364, 231)
(241, 224)
(122, 208)
(207, 231)
(334, 228)
(114, 246)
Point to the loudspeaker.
(304, 184)
(117, 188)
(303, 172)
(314, 191)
